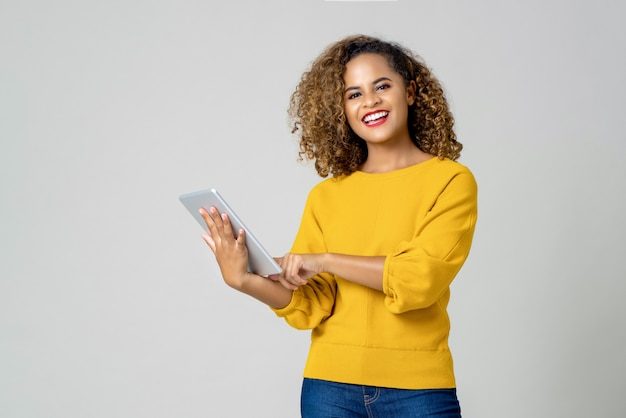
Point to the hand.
(231, 253)
(298, 269)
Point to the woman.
(379, 242)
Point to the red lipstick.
(376, 118)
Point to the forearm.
(265, 290)
(364, 270)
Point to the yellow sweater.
(422, 219)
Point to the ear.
(410, 93)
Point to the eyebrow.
(378, 80)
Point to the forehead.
(368, 65)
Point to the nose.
(371, 99)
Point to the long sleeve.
(313, 303)
(419, 271)
(422, 219)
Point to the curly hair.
(316, 107)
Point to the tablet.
(259, 260)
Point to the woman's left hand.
(298, 269)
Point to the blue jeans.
(323, 399)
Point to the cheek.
(352, 118)
(351, 111)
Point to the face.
(376, 100)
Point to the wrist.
(237, 282)
(325, 263)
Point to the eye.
(353, 95)
(383, 86)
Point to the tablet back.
(259, 260)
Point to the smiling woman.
(379, 243)
(338, 148)
(376, 105)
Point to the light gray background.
(112, 306)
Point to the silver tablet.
(259, 260)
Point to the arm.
(299, 268)
(232, 257)
(312, 303)
(418, 271)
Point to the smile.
(375, 118)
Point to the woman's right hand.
(231, 253)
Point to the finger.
(285, 264)
(291, 273)
(286, 284)
(209, 240)
(277, 276)
(297, 279)
(217, 218)
(209, 217)
(241, 237)
(206, 216)
(227, 226)
(295, 269)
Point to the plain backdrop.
(112, 306)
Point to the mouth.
(375, 118)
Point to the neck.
(381, 159)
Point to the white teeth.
(374, 116)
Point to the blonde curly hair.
(316, 107)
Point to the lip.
(376, 122)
